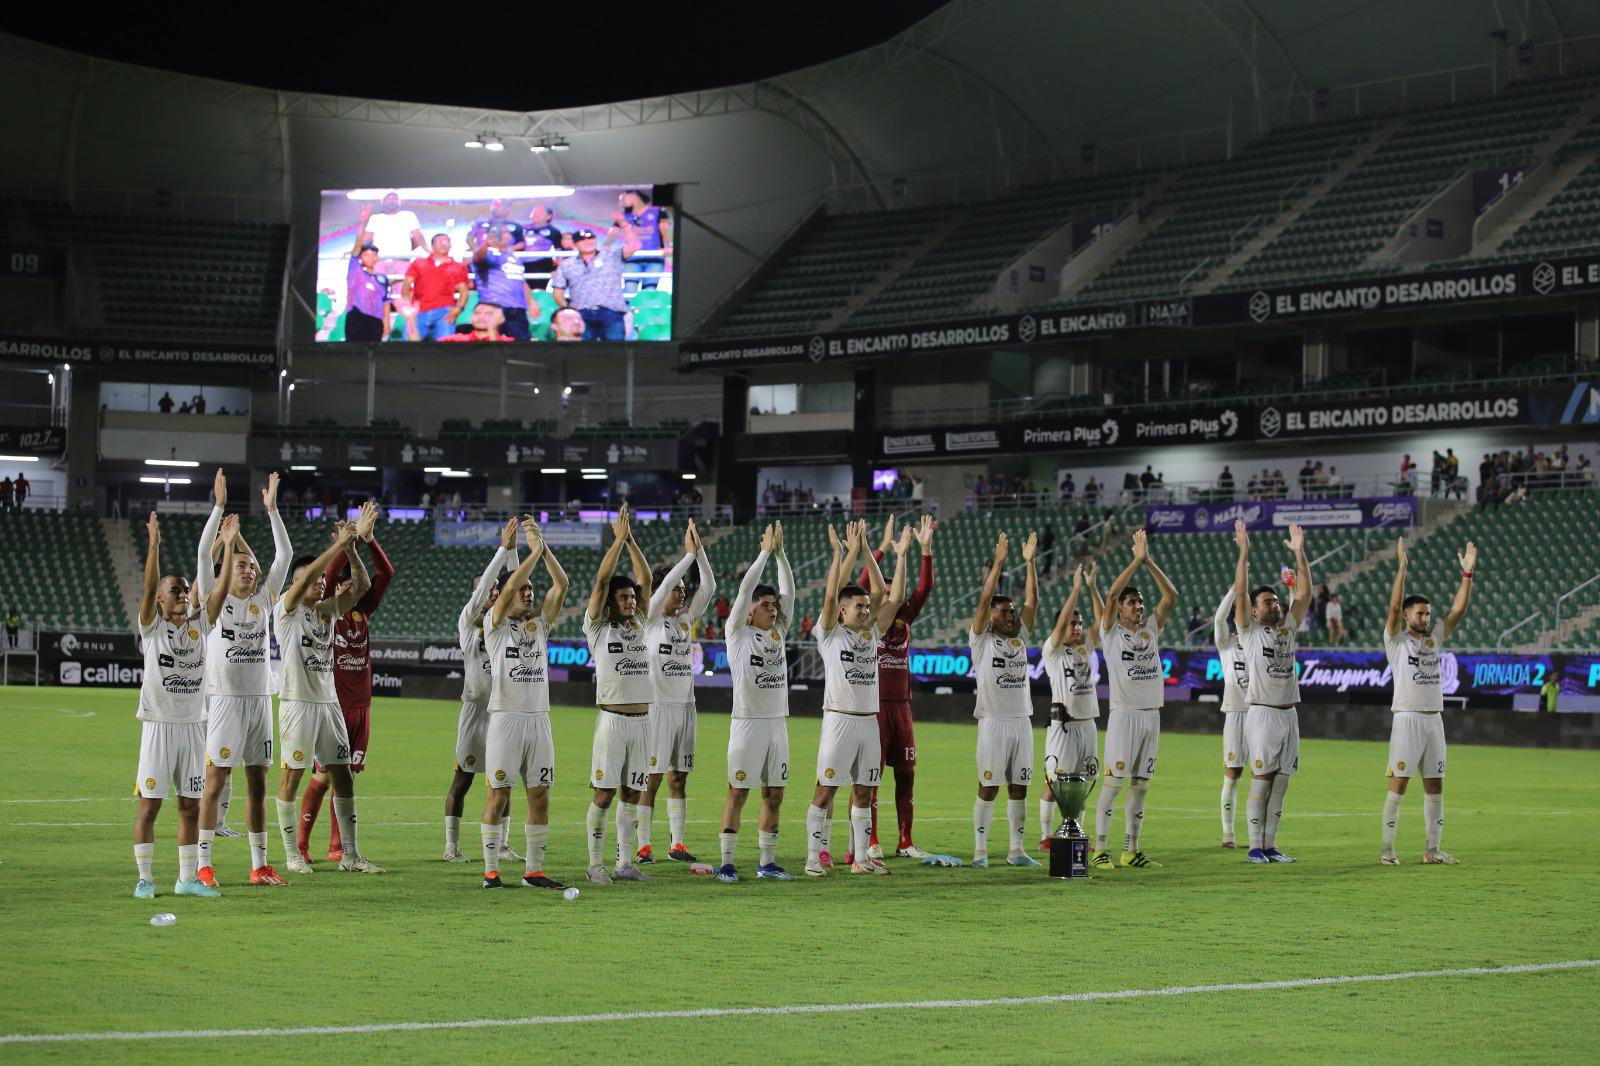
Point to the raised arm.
(1121, 581)
(747, 587)
(608, 565)
(513, 584)
(829, 616)
(1169, 593)
(1058, 635)
(1094, 593)
(886, 603)
(1397, 592)
(1302, 574)
(1030, 587)
(382, 574)
(1458, 610)
(480, 592)
(152, 572)
(991, 581)
(924, 589)
(556, 594)
(282, 549)
(296, 592)
(641, 568)
(1241, 578)
(785, 577)
(219, 590)
(360, 582)
(204, 575)
(1219, 621)
(361, 229)
(707, 592)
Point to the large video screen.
(540, 263)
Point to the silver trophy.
(1069, 844)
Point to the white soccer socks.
(1109, 792)
(677, 817)
(224, 801)
(288, 821)
(490, 831)
(258, 850)
(1017, 820)
(206, 837)
(1433, 814)
(728, 842)
(452, 832)
(861, 832)
(768, 845)
(1255, 810)
(982, 818)
(144, 856)
(1047, 808)
(596, 821)
(1133, 814)
(1230, 793)
(188, 861)
(344, 812)
(537, 837)
(1280, 785)
(645, 827)
(816, 819)
(1391, 817)
(627, 826)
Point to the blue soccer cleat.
(727, 874)
(1021, 858)
(773, 872)
(144, 889)
(1274, 855)
(981, 862)
(194, 888)
(1258, 855)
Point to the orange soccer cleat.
(207, 876)
(266, 875)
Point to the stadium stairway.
(1560, 180)
(1148, 213)
(126, 563)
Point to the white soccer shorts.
(1416, 745)
(1005, 751)
(171, 753)
(239, 730)
(621, 751)
(472, 729)
(1234, 749)
(672, 737)
(1272, 738)
(849, 750)
(1133, 743)
(312, 732)
(519, 745)
(758, 753)
(1069, 747)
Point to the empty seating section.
(54, 570)
(1342, 231)
(1571, 220)
(964, 266)
(833, 261)
(1220, 207)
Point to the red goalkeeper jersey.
(352, 651)
(894, 647)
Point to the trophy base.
(1069, 857)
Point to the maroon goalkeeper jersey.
(352, 651)
(894, 647)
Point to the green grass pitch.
(426, 944)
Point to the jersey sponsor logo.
(352, 662)
(866, 678)
(525, 675)
(614, 647)
(305, 641)
(757, 661)
(846, 656)
(664, 649)
(632, 667)
(673, 668)
(164, 661)
(766, 680)
(513, 653)
(240, 653)
(227, 634)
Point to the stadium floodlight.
(283, 373)
(164, 480)
(494, 144)
(363, 470)
(595, 477)
(536, 390)
(688, 477)
(552, 470)
(305, 469)
(51, 378)
(474, 140)
(456, 473)
(31, 459)
(172, 462)
(567, 391)
(291, 386)
(539, 146)
(591, 470)
(560, 145)
(436, 470)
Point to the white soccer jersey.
(174, 670)
(1269, 655)
(1001, 665)
(475, 666)
(760, 669)
(1414, 664)
(1071, 674)
(1132, 659)
(850, 669)
(236, 647)
(519, 659)
(671, 660)
(621, 662)
(305, 640)
(1230, 657)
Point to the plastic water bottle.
(569, 894)
(164, 919)
(704, 869)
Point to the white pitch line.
(796, 1008)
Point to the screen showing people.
(504, 263)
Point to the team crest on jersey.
(828, 773)
(226, 753)
(299, 756)
(355, 616)
(1258, 764)
(1401, 765)
(499, 775)
(1428, 643)
(530, 627)
(255, 608)
(149, 784)
(599, 775)
(652, 760)
(473, 759)
(683, 627)
(738, 775)
(194, 634)
(1144, 634)
(1015, 643)
(988, 775)
(1121, 765)
(773, 634)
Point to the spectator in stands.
(501, 280)
(917, 488)
(1225, 483)
(1319, 482)
(1485, 475)
(1335, 482)
(1197, 622)
(223, 409)
(1549, 693)
(1408, 474)
(723, 609)
(164, 405)
(488, 324)
(979, 488)
(1080, 534)
(1307, 473)
(541, 235)
(651, 230)
(1319, 606)
(1584, 472)
(499, 224)
(806, 625)
(1147, 481)
(567, 324)
(1091, 491)
(366, 316)
(438, 285)
(1047, 551)
(1436, 475)
(5, 495)
(198, 404)
(184, 408)
(13, 623)
(591, 281)
(392, 230)
(1334, 615)
(1068, 489)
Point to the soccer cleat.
(144, 890)
(629, 872)
(869, 868)
(195, 888)
(224, 831)
(1138, 860)
(679, 853)
(1101, 860)
(361, 865)
(910, 851)
(980, 862)
(597, 875)
(304, 854)
(539, 880)
(773, 872)
(1258, 855)
(299, 864)
(507, 855)
(646, 855)
(875, 852)
(335, 855)
(825, 859)
(1274, 855)
(452, 853)
(1389, 858)
(850, 857)
(1435, 857)
(727, 874)
(207, 876)
(493, 881)
(1021, 858)
(814, 868)
(1229, 844)
(266, 875)
(1044, 843)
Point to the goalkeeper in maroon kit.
(897, 738)
(352, 676)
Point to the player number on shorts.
(1438, 770)
(1091, 766)
(196, 784)
(872, 776)
(545, 774)
(357, 758)
(1026, 774)
(1150, 765)
(783, 771)
(688, 762)
(638, 780)
(343, 752)
(911, 755)
(266, 747)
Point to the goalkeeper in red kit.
(352, 676)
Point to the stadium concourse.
(913, 475)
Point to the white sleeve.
(747, 591)
(785, 590)
(480, 595)
(658, 597)
(708, 586)
(203, 572)
(1219, 621)
(282, 555)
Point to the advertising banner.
(115, 352)
(1376, 513)
(447, 534)
(33, 440)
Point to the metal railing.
(1555, 630)
(1536, 616)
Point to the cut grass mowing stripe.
(798, 1008)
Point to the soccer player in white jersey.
(758, 735)
(518, 741)
(1068, 655)
(1413, 642)
(672, 715)
(1272, 723)
(172, 730)
(473, 721)
(848, 629)
(1131, 653)
(998, 639)
(311, 726)
(1235, 702)
(238, 679)
(624, 689)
